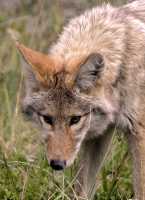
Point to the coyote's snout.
(92, 80)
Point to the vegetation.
(24, 172)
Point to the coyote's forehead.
(57, 102)
(64, 102)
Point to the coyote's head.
(68, 100)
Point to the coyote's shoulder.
(93, 31)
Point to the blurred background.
(24, 172)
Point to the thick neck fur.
(118, 34)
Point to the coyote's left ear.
(90, 72)
(41, 66)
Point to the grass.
(24, 172)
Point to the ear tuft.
(42, 66)
(39, 62)
(90, 71)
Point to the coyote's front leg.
(137, 145)
(91, 159)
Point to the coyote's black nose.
(58, 164)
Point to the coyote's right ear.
(89, 72)
(41, 67)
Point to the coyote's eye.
(74, 120)
(48, 119)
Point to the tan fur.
(55, 146)
(43, 65)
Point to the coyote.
(92, 81)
